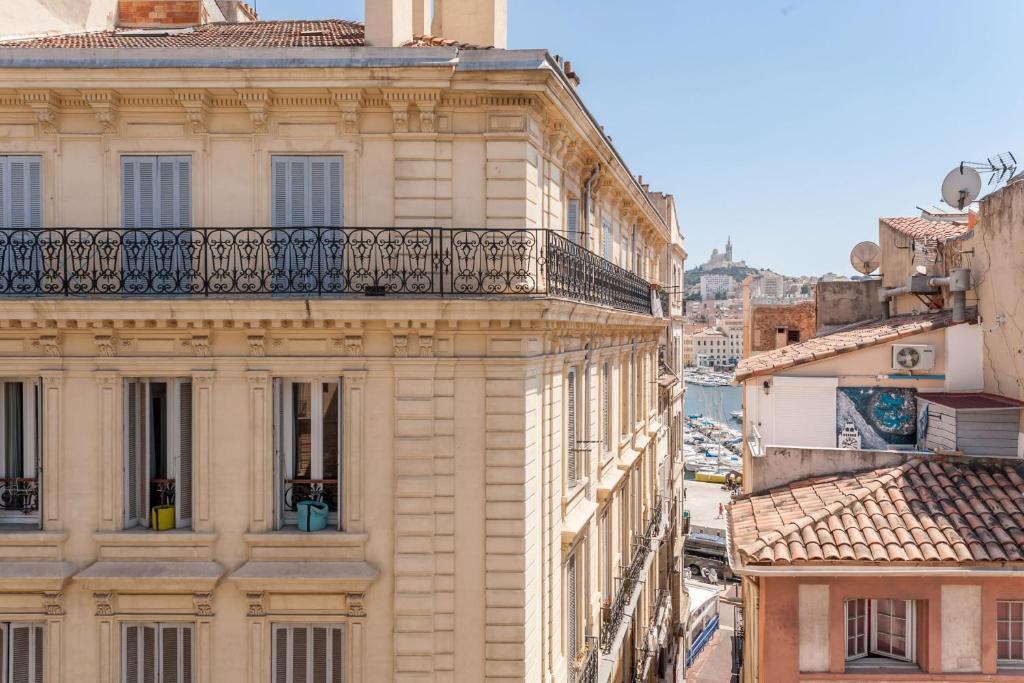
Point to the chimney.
(389, 22)
(421, 17)
(477, 22)
(160, 13)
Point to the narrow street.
(714, 665)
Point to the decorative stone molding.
(203, 604)
(257, 604)
(426, 344)
(401, 342)
(354, 345)
(400, 113)
(47, 344)
(200, 344)
(126, 345)
(427, 123)
(104, 604)
(53, 604)
(257, 102)
(257, 345)
(356, 606)
(348, 101)
(105, 345)
(196, 103)
(104, 104)
(43, 104)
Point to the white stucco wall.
(961, 628)
(964, 358)
(814, 627)
(35, 17)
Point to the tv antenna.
(963, 184)
(865, 258)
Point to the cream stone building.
(265, 276)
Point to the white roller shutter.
(804, 410)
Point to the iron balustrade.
(162, 491)
(587, 670)
(613, 616)
(19, 494)
(319, 261)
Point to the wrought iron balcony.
(586, 669)
(313, 262)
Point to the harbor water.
(714, 403)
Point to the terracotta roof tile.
(926, 510)
(922, 228)
(865, 335)
(254, 34)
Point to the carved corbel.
(53, 604)
(203, 603)
(257, 102)
(400, 114)
(48, 345)
(401, 344)
(257, 604)
(356, 604)
(104, 604)
(426, 344)
(257, 344)
(349, 102)
(200, 344)
(104, 104)
(43, 104)
(105, 345)
(196, 103)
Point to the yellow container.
(161, 517)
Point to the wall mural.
(876, 418)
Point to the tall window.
(308, 442)
(19, 439)
(158, 453)
(157, 653)
(606, 406)
(156, 192)
(1010, 631)
(625, 400)
(572, 616)
(571, 435)
(21, 212)
(308, 653)
(609, 556)
(880, 628)
(573, 221)
(307, 193)
(606, 238)
(21, 652)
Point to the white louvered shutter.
(280, 645)
(308, 653)
(139, 192)
(573, 221)
(279, 451)
(175, 657)
(183, 482)
(147, 654)
(26, 653)
(325, 195)
(174, 201)
(570, 427)
(337, 658)
(571, 614)
(21, 192)
(3, 651)
(606, 407)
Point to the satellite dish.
(961, 186)
(865, 258)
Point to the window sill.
(574, 494)
(31, 544)
(146, 544)
(290, 544)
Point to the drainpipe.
(886, 295)
(587, 185)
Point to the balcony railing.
(319, 490)
(632, 576)
(585, 670)
(19, 494)
(312, 262)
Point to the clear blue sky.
(791, 125)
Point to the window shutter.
(170, 669)
(281, 638)
(321, 654)
(297, 192)
(280, 191)
(183, 485)
(186, 654)
(573, 220)
(147, 653)
(279, 451)
(570, 431)
(133, 446)
(606, 418)
(318, 192)
(138, 192)
(337, 654)
(23, 190)
(175, 192)
(26, 653)
(570, 614)
(300, 655)
(335, 192)
(5, 218)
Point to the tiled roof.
(973, 401)
(254, 34)
(925, 511)
(922, 228)
(852, 339)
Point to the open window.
(880, 633)
(19, 440)
(157, 653)
(308, 439)
(158, 453)
(313, 653)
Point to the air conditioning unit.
(912, 357)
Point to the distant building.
(768, 285)
(716, 285)
(722, 259)
(710, 348)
